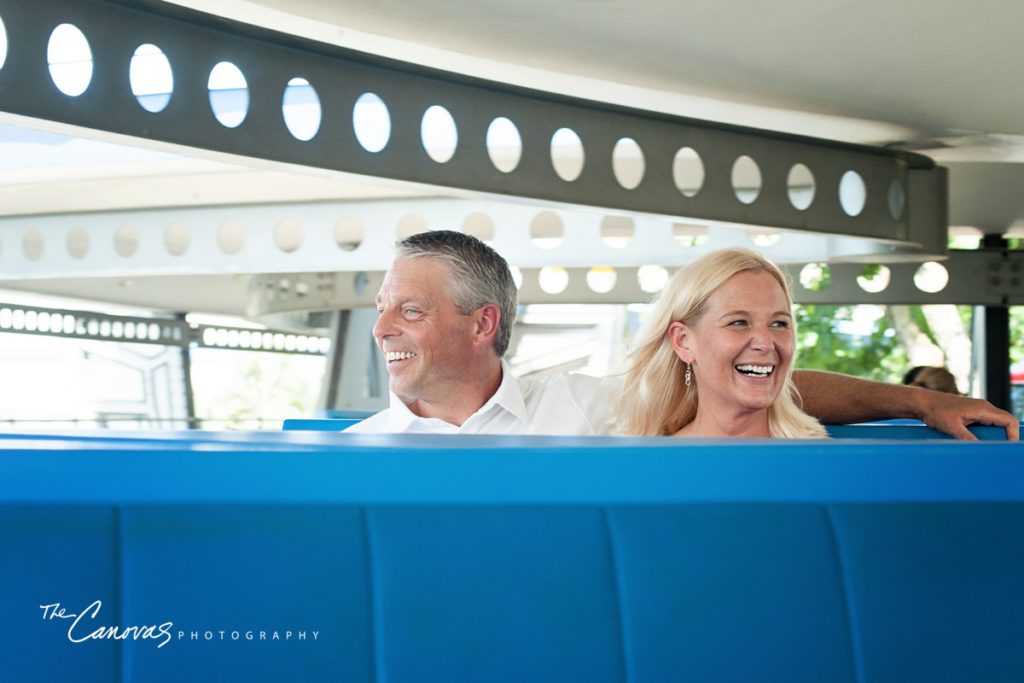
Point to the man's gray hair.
(478, 275)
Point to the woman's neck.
(711, 425)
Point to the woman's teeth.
(756, 370)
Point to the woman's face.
(740, 350)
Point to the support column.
(996, 324)
(186, 378)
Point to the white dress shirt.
(563, 404)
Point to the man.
(446, 309)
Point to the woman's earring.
(688, 377)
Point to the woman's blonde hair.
(655, 401)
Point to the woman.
(715, 355)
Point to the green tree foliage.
(1017, 356)
(1017, 334)
(825, 343)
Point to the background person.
(934, 378)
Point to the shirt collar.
(509, 396)
(399, 415)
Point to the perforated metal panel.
(632, 161)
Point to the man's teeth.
(756, 370)
(399, 355)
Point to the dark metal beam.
(905, 193)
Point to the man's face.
(425, 340)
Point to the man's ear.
(681, 338)
(487, 319)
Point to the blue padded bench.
(319, 424)
(513, 559)
(907, 429)
(891, 429)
